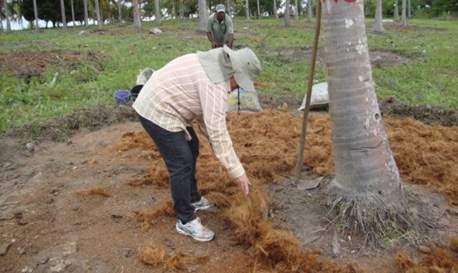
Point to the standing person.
(220, 29)
(195, 87)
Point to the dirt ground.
(25, 64)
(99, 202)
(378, 58)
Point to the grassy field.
(120, 52)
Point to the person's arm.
(230, 31)
(230, 40)
(210, 38)
(214, 120)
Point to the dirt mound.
(378, 57)
(26, 64)
(426, 113)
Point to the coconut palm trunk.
(203, 15)
(174, 9)
(275, 8)
(404, 13)
(258, 7)
(181, 9)
(247, 9)
(296, 10)
(136, 14)
(72, 5)
(310, 9)
(119, 11)
(366, 187)
(287, 13)
(157, 10)
(62, 14)
(97, 11)
(7, 16)
(396, 10)
(86, 16)
(35, 15)
(378, 22)
(409, 8)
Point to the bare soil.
(378, 58)
(27, 64)
(100, 203)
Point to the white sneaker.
(195, 229)
(202, 204)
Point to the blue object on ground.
(122, 96)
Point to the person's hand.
(244, 184)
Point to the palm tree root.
(377, 220)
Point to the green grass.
(431, 77)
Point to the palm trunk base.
(376, 219)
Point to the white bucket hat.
(245, 65)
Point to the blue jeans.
(180, 157)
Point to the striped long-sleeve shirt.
(180, 92)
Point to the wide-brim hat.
(246, 66)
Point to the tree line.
(62, 11)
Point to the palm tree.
(62, 13)
(296, 10)
(258, 8)
(366, 189)
(404, 13)
(7, 15)
(119, 11)
(86, 19)
(136, 13)
(72, 4)
(310, 9)
(275, 9)
(203, 15)
(97, 11)
(181, 9)
(157, 10)
(396, 10)
(378, 22)
(409, 8)
(287, 13)
(174, 9)
(35, 14)
(247, 9)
